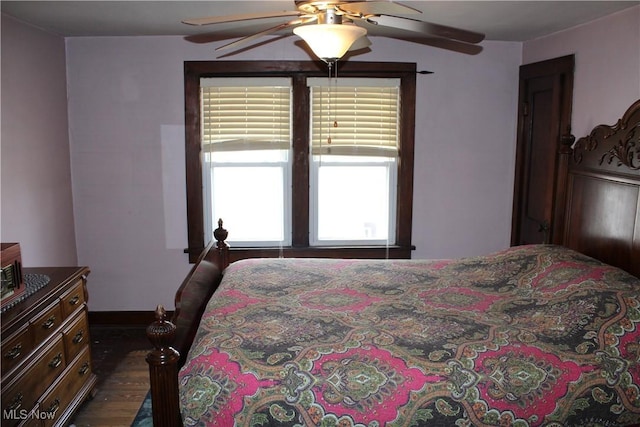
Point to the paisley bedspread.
(533, 335)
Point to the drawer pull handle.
(77, 339)
(56, 361)
(14, 353)
(74, 300)
(84, 369)
(54, 406)
(16, 402)
(51, 321)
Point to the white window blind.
(245, 114)
(354, 116)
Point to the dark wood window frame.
(299, 71)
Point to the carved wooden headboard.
(603, 193)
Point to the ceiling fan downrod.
(329, 16)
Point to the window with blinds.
(246, 138)
(245, 114)
(354, 116)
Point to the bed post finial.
(163, 371)
(220, 234)
(161, 332)
(221, 251)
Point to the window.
(332, 190)
(354, 151)
(246, 139)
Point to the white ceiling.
(499, 20)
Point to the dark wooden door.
(544, 142)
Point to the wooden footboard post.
(163, 372)
(221, 251)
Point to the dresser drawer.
(65, 390)
(24, 391)
(22, 418)
(76, 335)
(15, 404)
(43, 325)
(15, 348)
(73, 299)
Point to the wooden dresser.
(46, 359)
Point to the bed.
(528, 336)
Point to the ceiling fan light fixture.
(330, 42)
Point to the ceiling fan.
(331, 28)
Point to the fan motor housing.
(318, 6)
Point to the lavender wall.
(607, 70)
(37, 208)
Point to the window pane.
(251, 201)
(353, 203)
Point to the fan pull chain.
(329, 66)
(333, 82)
(335, 95)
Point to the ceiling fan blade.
(427, 28)
(447, 44)
(240, 17)
(247, 39)
(376, 8)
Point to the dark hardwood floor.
(118, 361)
(110, 344)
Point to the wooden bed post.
(163, 372)
(170, 339)
(560, 200)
